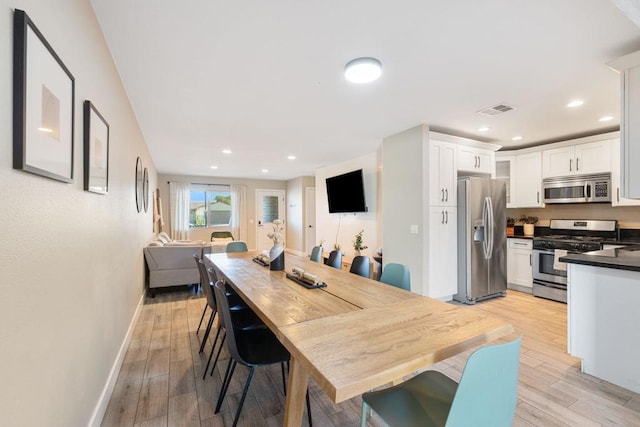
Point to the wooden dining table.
(355, 334)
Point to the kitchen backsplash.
(627, 216)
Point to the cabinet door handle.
(446, 213)
(618, 194)
(446, 194)
(570, 164)
(530, 263)
(577, 164)
(442, 198)
(538, 197)
(479, 163)
(442, 221)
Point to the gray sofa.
(170, 262)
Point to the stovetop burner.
(569, 238)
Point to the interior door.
(310, 218)
(269, 207)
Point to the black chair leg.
(225, 384)
(206, 333)
(244, 394)
(284, 382)
(215, 362)
(309, 409)
(213, 347)
(202, 318)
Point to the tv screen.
(346, 192)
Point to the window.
(210, 205)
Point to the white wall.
(205, 233)
(346, 225)
(403, 202)
(71, 261)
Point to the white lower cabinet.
(519, 270)
(443, 252)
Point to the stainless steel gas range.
(567, 236)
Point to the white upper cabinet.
(616, 194)
(629, 68)
(476, 160)
(587, 158)
(528, 176)
(442, 174)
(506, 172)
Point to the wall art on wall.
(96, 150)
(139, 184)
(43, 105)
(145, 189)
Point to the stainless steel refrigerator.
(482, 239)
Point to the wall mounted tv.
(346, 192)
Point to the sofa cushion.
(164, 237)
(156, 243)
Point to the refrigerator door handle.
(490, 226)
(485, 223)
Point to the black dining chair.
(335, 259)
(251, 348)
(361, 265)
(205, 284)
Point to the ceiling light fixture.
(363, 70)
(226, 151)
(214, 167)
(516, 138)
(291, 157)
(575, 103)
(483, 129)
(265, 170)
(605, 118)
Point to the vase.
(276, 257)
(528, 229)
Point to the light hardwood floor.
(160, 381)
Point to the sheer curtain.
(179, 199)
(239, 211)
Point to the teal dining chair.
(396, 275)
(237, 246)
(316, 254)
(486, 395)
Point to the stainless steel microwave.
(594, 188)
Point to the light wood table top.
(356, 334)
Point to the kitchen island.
(603, 318)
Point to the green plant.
(358, 242)
(528, 219)
(510, 221)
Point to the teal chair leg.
(363, 417)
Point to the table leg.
(296, 393)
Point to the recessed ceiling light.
(226, 151)
(516, 138)
(291, 157)
(575, 103)
(214, 167)
(605, 118)
(265, 170)
(483, 129)
(363, 70)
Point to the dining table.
(354, 334)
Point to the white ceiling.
(265, 78)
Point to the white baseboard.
(105, 396)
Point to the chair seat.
(426, 397)
(260, 347)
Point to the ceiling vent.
(496, 109)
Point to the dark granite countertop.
(520, 237)
(627, 258)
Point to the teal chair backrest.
(237, 246)
(396, 275)
(488, 389)
(316, 254)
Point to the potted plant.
(358, 243)
(528, 224)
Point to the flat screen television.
(346, 192)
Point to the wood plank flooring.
(160, 383)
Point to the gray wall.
(71, 261)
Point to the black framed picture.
(139, 184)
(96, 150)
(43, 105)
(145, 189)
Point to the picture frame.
(138, 184)
(43, 105)
(96, 150)
(145, 189)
